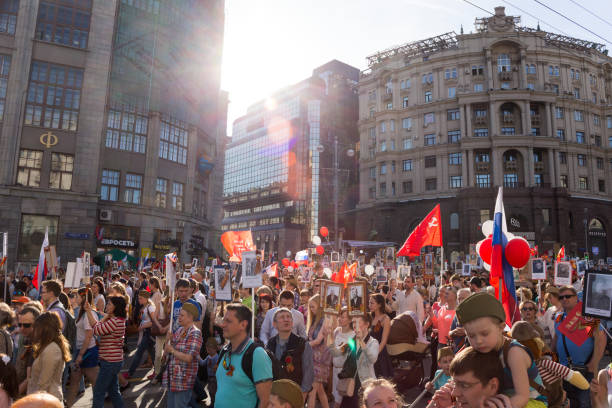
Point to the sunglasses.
(25, 325)
(566, 297)
(528, 309)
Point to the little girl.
(483, 318)
(9, 388)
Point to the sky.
(270, 44)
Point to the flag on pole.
(428, 232)
(561, 254)
(171, 261)
(501, 276)
(41, 269)
(272, 270)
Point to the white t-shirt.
(82, 326)
(100, 297)
(147, 311)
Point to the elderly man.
(584, 358)
(293, 353)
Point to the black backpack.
(70, 329)
(247, 360)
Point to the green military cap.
(480, 305)
(288, 391)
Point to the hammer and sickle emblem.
(433, 222)
(48, 139)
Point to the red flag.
(235, 242)
(428, 232)
(561, 254)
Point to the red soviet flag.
(428, 232)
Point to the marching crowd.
(56, 341)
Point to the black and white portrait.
(467, 269)
(332, 296)
(538, 269)
(563, 270)
(381, 274)
(563, 273)
(581, 267)
(598, 299)
(357, 300)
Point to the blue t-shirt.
(443, 379)
(177, 309)
(210, 362)
(237, 390)
(580, 355)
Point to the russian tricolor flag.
(502, 278)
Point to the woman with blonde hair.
(321, 353)
(51, 352)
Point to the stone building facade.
(113, 127)
(449, 119)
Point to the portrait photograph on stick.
(597, 300)
(537, 266)
(332, 299)
(357, 300)
(223, 283)
(563, 273)
(381, 274)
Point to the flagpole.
(4, 260)
(253, 313)
(441, 264)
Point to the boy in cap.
(286, 394)
(483, 318)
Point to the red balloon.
(286, 262)
(324, 232)
(485, 250)
(320, 250)
(517, 252)
(294, 264)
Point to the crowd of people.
(279, 349)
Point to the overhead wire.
(591, 13)
(478, 7)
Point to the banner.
(251, 270)
(428, 232)
(575, 327)
(171, 260)
(235, 242)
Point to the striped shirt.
(111, 334)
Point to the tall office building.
(279, 164)
(448, 119)
(113, 126)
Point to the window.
(406, 123)
(580, 137)
(454, 158)
(373, 133)
(481, 132)
(177, 196)
(372, 112)
(372, 96)
(407, 187)
(482, 157)
(530, 86)
(478, 87)
(382, 187)
(109, 189)
(477, 70)
(383, 168)
(454, 136)
(429, 139)
(427, 78)
(600, 163)
(507, 131)
(503, 63)
(389, 105)
(173, 140)
(383, 145)
(430, 161)
(505, 85)
(372, 192)
(561, 134)
(393, 167)
(563, 180)
(8, 16)
(454, 221)
(602, 185)
(455, 182)
(609, 141)
(537, 180)
(126, 130)
(383, 126)
(428, 96)
(594, 97)
(578, 117)
(5, 66)
(558, 112)
(583, 183)
(562, 158)
(553, 70)
(161, 189)
(393, 188)
(577, 93)
(511, 180)
(596, 120)
(555, 89)
(31, 233)
(450, 73)
(530, 69)
(431, 184)
(480, 113)
(407, 165)
(373, 173)
(546, 220)
(453, 114)
(61, 171)
(54, 96)
(392, 125)
(597, 140)
(429, 118)
(133, 188)
(407, 143)
(582, 160)
(389, 86)
(66, 25)
(405, 84)
(609, 122)
(405, 102)
(483, 181)
(28, 172)
(452, 91)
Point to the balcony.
(505, 76)
(482, 167)
(480, 120)
(508, 118)
(387, 97)
(535, 120)
(538, 167)
(510, 166)
(483, 185)
(513, 184)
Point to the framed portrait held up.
(597, 294)
(356, 298)
(332, 299)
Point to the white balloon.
(288, 254)
(316, 240)
(327, 272)
(487, 227)
(290, 269)
(369, 270)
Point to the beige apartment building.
(450, 118)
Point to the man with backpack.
(49, 294)
(293, 355)
(244, 372)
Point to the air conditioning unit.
(106, 215)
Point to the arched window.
(510, 156)
(454, 221)
(503, 63)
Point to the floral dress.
(321, 354)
